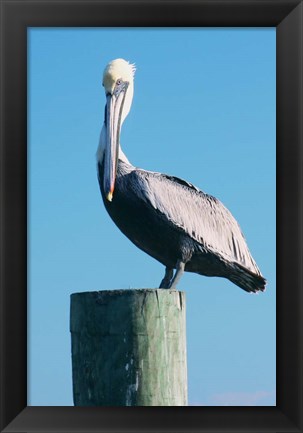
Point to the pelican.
(168, 218)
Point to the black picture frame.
(16, 17)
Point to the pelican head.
(118, 82)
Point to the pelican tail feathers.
(247, 280)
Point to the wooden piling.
(129, 348)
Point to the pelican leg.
(167, 278)
(178, 274)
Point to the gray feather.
(203, 217)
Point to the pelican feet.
(165, 283)
(170, 282)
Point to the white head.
(117, 75)
(118, 82)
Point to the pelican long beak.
(112, 145)
(114, 108)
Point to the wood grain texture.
(129, 348)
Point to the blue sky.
(203, 110)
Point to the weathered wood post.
(129, 348)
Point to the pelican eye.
(118, 82)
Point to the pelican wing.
(203, 217)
